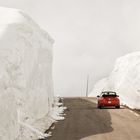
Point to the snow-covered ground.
(124, 79)
(27, 106)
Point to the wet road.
(85, 122)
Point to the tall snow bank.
(125, 79)
(26, 87)
(100, 86)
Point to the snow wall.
(124, 79)
(26, 87)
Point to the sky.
(89, 36)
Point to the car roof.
(108, 92)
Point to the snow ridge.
(125, 80)
(26, 85)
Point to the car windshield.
(106, 94)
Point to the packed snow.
(99, 87)
(124, 79)
(27, 105)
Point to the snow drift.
(26, 86)
(100, 86)
(124, 79)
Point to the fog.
(89, 35)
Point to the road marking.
(136, 114)
(131, 111)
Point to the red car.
(108, 98)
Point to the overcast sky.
(89, 35)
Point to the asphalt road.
(85, 122)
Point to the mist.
(89, 35)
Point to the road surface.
(85, 122)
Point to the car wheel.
(118, 106)
(99, 107)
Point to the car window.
(104, 94)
